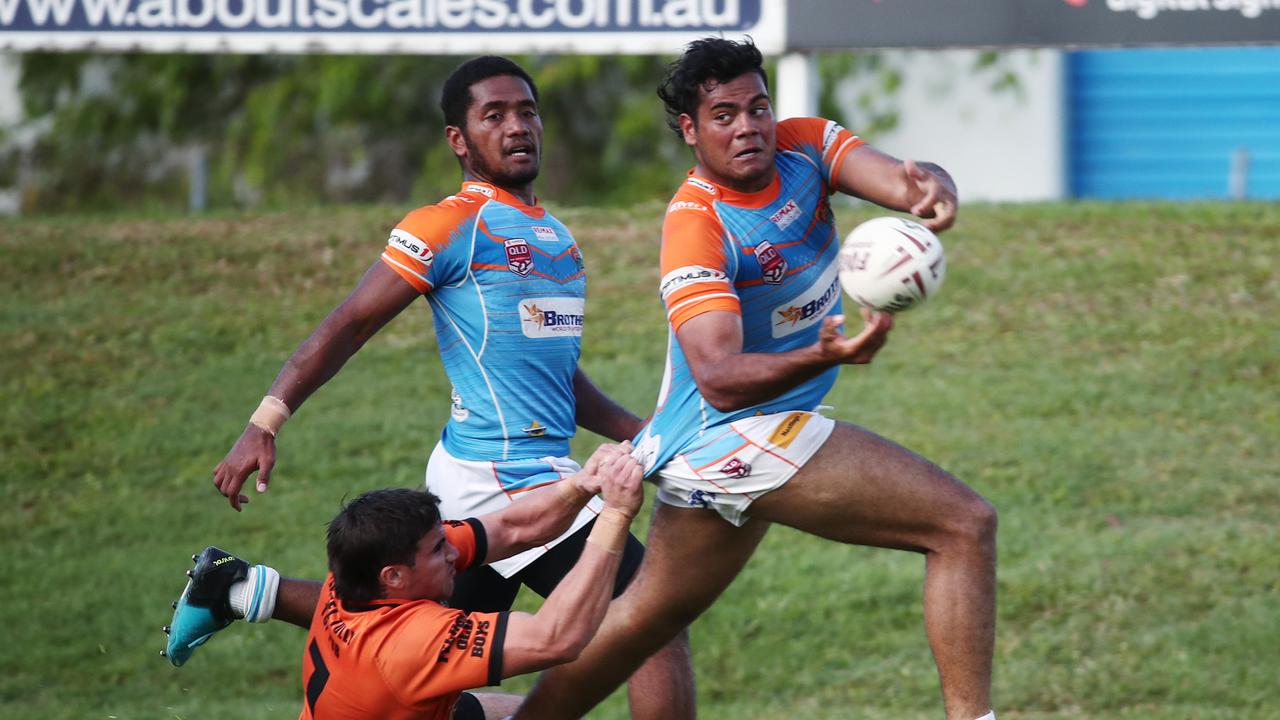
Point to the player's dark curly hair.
(705, 63)
(378, 528)
(456, 96)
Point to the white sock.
(991, 715)
(254, 598)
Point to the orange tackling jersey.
(398, 659)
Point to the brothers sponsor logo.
(689, 275)
(702, 185)
(809, 307)
(736, 468)
(412, 245)
(788, 214)
(453, 16)
(519, 257)
(541, 233)
(789, 429)
(551, 317)
(482, 189)
(685, 205)
(773, 267)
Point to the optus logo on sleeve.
(551, 317)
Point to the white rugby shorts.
(733, 464)
(471, 488)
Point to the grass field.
(1107, 375)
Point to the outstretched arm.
(730, 379)
(544, 514)
(569, 618)
(598, 412)
(920, 188)
(380, 296)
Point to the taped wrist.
(611, 530)
(571, 493)
(270, 415)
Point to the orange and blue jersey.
(768, 256)
(507, 287)
(400, 659)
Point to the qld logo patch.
(736, 468)
(519, 257)
(773, 267)
(551, 317)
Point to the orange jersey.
(400, 659)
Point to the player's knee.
(975, 524)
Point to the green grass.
(1107, 375)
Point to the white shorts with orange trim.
(470, 488)
(734, 464)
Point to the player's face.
(502, 140)
(431, 576)
(733, 135)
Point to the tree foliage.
(120, 130)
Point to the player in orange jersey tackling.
(382, 643)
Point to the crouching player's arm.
(570, 616)
(539, 517)
(542, 515)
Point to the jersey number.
(319, 677)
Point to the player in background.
(382, 643)
(506, 283)
(735, 443)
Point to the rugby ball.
(891, 264)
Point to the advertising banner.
(851, 24)
(436, 27)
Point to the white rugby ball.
(891, 264)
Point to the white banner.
(432, 27)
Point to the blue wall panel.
(1167, 123)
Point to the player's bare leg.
(862, 489)
(663, 688)
(691, 557)
(498, 706)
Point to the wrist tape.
(270, 415)
(572, 493)
(611, 530)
